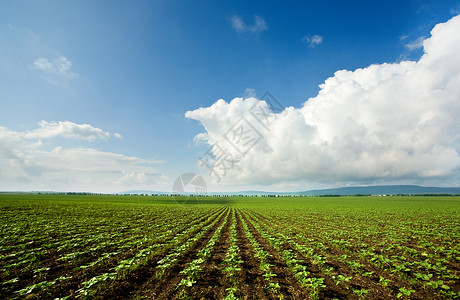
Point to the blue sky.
(132, 69)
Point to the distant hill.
(382, 190)
(364, 190)
(356, 190)
(343, 191)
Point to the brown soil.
(290, 288)
(371, 283)
(165, 287)
(212, 281)
(252, 285)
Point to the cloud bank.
(391, 122)
(30, 160)
(69, 130)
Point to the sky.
(110, 96)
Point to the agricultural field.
(155, 247)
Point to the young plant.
(404, 292)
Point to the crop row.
(262, 256)
(194, 268)
(304, 248)
(232, 261)
(358, 270)
(177, 246)
(61, 244)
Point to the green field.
(61, 246)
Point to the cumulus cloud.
(28, 164)
(240, 26)
(69, 130)
(59, 66)
(391, 122)
(312, 41)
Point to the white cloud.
(259, 24)
(312, 41)
(59, 66)
(240, 26)
(135, 178)
(384, 123)
(418, 43)
(27, 164)
(69, 130)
